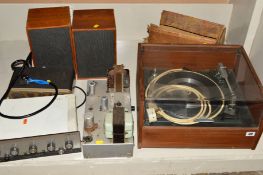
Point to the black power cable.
(85, 94)
(24, 64)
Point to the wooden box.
(49, 36)
(181, 29)
(94, 33)
(199, 58)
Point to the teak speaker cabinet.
(50, 38)
(94, 35)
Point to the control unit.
(51, 132)
(39, 146)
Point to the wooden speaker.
(94, 34)
(49, 35)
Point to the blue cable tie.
(37, 81)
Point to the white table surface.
(144, 161)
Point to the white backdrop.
(132, 21)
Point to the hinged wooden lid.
(48, 17)
(95, 19)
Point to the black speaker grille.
(95, 52)
(51, 47)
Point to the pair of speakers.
(88, 45)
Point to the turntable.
(197, 97)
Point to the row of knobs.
(14, 151)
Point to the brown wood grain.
(192, 24)
(221, 39)
(74, 60)
(197, 137)
(165, 34)
(89, 19)
(41, 18)
(198, 57)
(195, 57)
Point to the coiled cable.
(205, 111)
(24, 64)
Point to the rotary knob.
(51, 146)
(14, 151)
(7, 157)
(32, 149)
(61, 151)
(68, 144)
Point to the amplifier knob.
(7, 157)
(60, 151)
(14, 151)
(51, 146)
(68, 144)
(32, 149)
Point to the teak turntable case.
(191, 78)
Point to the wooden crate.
(181, 29)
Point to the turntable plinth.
(240, 128)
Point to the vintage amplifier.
(197, 96)
(107, 125)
